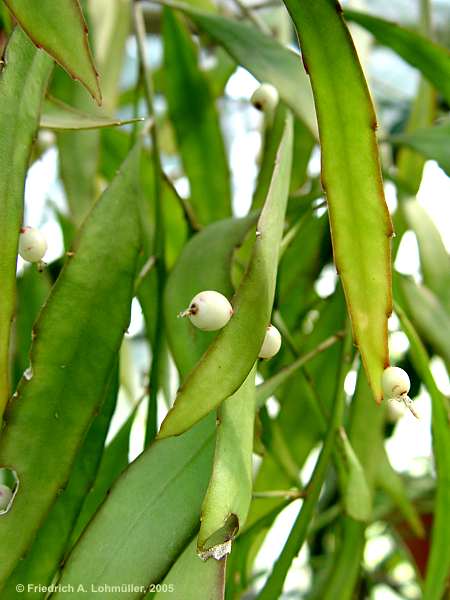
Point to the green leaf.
(431, 59)
(114, 461)
(189, 575)
(43, 560)
(362, 437)
(431, 142)
(214, 245)
(23, 81)
(78, 151)
(263, 56)
(364, 441)
(33, 288)
(301, 264)
(357, 495)
(438, 566)
(346, 568)
(234, 351)
(300, 420)
(434, 259)
(422, 113)
(274, 584)
(268, 387)
(111, 26)
(359, 218)
(57, 115)
(229, 493)
(276, 444)
(150, 515)
(239, 563)
(388, 480)
(196, 122)
(50, 413)
(304, 143)
(428, 315)
(60, 29)
(272, 135)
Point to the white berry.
(5, 496)
(265, 98)
(209, 311)
(32, 244)
(271, 343)
(395, 383)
